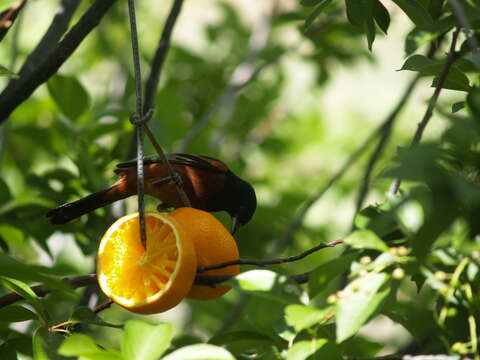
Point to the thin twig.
(160, 55)
(7, 17)
(385, 132)
(462, 19)
(234, 87)
(214, 280)
(18, 90)
(302, 212)
(452, 56)
(271, 261)
(105, 305)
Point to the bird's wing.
(197, 161)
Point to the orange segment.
(213, 244)
(148, 280)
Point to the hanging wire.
(138, 120)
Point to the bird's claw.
(171, 180)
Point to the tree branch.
(386, 130)
(452, 56)
(18, 90)
(210, 280)
(160, 55)
(52, 36)
(271, 261)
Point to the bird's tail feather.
(67, 212)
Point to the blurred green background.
(315, 99)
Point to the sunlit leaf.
(318, 349)
(84, 347)
(264, 283)
(200, 352)
(365, 239)
(360, 300)
(145, 341)
(27, 293)
(302, 317)
(6, 4)
(328, 271)
(425, 33)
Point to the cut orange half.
(146, 280)
(213, 244)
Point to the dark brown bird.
(208, 183)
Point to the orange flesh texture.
(213, 244)
(151, 280)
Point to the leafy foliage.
(411, 256)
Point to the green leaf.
(45, 344)
(83, 346)
(85, 315)
(415, 10)
(238, 342)
(5, 195)
(200, 352)
(473, 101)
(365, 239)
(359, 301)
(310, 2)
(303, 317)
(12, 235)
(426, 33)
(360, 13)
(377, 219)
(69, 94)
(145, 341)
(418, 63)
(456, 107)
(381, 15)
(24, 291)
(15, 313)
(264, 283)
(328, 271)
(456, 80)
(8, 352)
(6, 72)
(309, 350)
(6, 4)
(369, 24)
(315, 13)
(12, 268)
(356, 12)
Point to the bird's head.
(242, 202)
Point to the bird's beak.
(235, 225)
